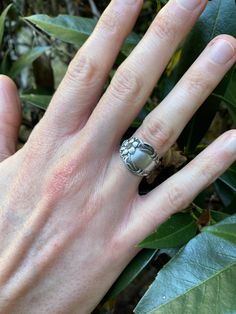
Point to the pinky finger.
(176, 193)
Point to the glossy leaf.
(130, 273)
(199, 279)
(26, 59)
(225, 187)
(229, 177)
(230, 97)
(73, 29)
(2, 21)
(219, 17)
(227, 196)
(40, 101)
(218, 216)
(225, 231)
(176, 231)
(225, 193)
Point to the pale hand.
(71, 215)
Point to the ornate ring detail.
(139, 157)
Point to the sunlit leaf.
(2, 21)
(26, 60)
(73, 29)
(199, 279)
(225, 231)
(40, 101)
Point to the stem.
(70, 7)
(94, 9)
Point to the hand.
(71, 214)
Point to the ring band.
(139, 157)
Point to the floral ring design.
(139, 157)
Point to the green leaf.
(4, 63)
(176, 231)
(218, 17)
(225, 193)
(230, 96)
(225, 231)
(217, 216)
(231, 208)
(229, 177)
(40, 101)
(70, 29)
(26, 59)
(2, 21)
(225, 187)
(73, 29)
(130, 273)
(199, 279)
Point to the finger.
(180, 190)
(137, 76)
(10, 117)
(84, 81)
(163, 126)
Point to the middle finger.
(137, 76)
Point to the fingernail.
(189, 4)
(222, 51)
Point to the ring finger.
(162, 127)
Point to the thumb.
(10, 117)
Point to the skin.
(71, 215)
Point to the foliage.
(201, 273)
(38, 42)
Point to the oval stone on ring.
(139, 157)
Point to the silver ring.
(139, 157)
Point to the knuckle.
(208, 171)
(81, 69)
(126, 85)
(196, 82)
(157, 132)
(109, 22)
(163, 27)
(176, 198)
